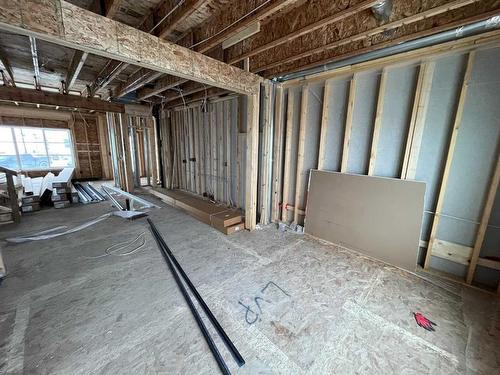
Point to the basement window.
(26, 148)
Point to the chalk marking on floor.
(15, 351)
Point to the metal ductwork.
(382, 10)
(446, 36)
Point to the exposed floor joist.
(36, 66)
(160, 86)
(175, 15)
(77, 62)
(15, 94)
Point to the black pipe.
(199, 321)
(227, 341)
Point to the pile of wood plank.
(224, 219)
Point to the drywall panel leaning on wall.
(377, 216)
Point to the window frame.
(45, 143)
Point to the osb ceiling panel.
(203, 13)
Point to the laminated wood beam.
(278, 154)
(301, 173)
(325, 118)
(485, 217)
(288, 156)
(348, 124)
(74, 68)
(449, 157)
(65, 24)
(417, 121)
(252, 161)
(378, 122)
(50, 98)
(337, 17)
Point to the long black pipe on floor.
(196, 314)
(227, 341)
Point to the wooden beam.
(175, 15)
(112, 7)
(378, 122)
(252, 161)
(369, 33)
(160, 86)
(337, 17)
(74, 27)
(74, 68)
(485, 218)
(325, 115)
(30, 112)
(348, 124)
(36, 66)
(417, 121)
(246, 33)
(110, 71)
(257, 14)
(278, 153)
(137, 80)
(15, 94)
(200, 95)
(449, 156)
(300, 177)
(288, 156)
(8, 68)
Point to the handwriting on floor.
(269, 295)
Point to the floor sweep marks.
(259, 301)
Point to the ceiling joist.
(135, 81)
(15, 94)
(7, 72)
(160, 86)
(36, 66)
(74, 69)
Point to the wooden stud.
(288, 156)
(278, 154)
(325, 119)
(417, 121)
(252, 161)
(151, 125)
(213, 142)
(129, 178)
(348, 124)
(449, 156)
(229, 180)
(301, 174)
(266, 155)
(485, 218)
(378, 122)
(11, 190)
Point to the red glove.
(423, 322)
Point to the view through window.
(25, 148)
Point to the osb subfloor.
(291, 304)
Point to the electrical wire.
(116, 248)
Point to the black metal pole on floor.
(197, 317)
(227, 341)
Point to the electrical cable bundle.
(176, 269)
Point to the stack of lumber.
(61, 188)
(225, 220)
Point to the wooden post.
(228, 110)
(278, 153)
(378, 122)
(325, 119)
(152, 149)
(252, 163)
(300, 177)
(288, 155)
(348, 124)
(266, 156)
(11, 190)
(417, 122)
(449, 157)
(129, 178)
(485, 218)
